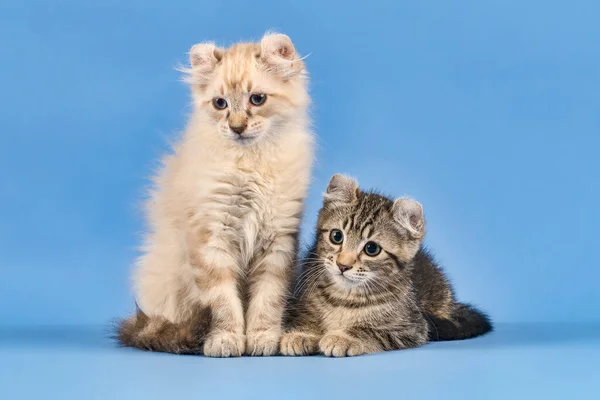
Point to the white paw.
(336, 345)
(263, 343)
(299, 344)
(224, 344)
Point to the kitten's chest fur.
(243, 204)
(348, 311)
(336, 318)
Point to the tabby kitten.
(368, 285)
(225, 210)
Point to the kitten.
(368, 285)
(225, 210)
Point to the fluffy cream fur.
(225, 210)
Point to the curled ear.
(341, 190)
(409, 215)
(203, 59)
(278, 54)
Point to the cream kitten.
(225, 210)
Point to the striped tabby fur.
(349, 302)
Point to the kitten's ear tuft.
(203, 59)
(409, 214)
(279, 55)
(341, 190)
(205, 55)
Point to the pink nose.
(239, 129)
(343, 267)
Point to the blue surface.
(519, 361)
(487, 112)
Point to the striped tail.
(159, 334)
(465, 322)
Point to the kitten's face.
(251, 90)
(366, 239)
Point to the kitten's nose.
(343, 267)
(239, 129)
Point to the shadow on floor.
(531, 335)
(60, 337)
(505, 335)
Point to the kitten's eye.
(336, 236)
(219, 103)
(258, 99)
(372, 249)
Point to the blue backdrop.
(488, 112)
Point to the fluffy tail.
(465, 322)
(159, 334)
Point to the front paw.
(224, 344)
(262, 343)
(341, 345)
(299, 344)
